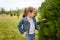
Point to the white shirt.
(32, 26)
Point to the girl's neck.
(29, 17)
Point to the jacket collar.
(32, 18)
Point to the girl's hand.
(44, 20)
(25, 33)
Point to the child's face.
(32, 14)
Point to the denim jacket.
(26, 25)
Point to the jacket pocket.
(26, 26)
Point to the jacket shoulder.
(24, 19)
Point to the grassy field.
(9, 29)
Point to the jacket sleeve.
(38, 22)
(20, 27)
(36, 25)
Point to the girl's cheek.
(32, 14)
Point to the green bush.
(50, 9)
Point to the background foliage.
(50, 30)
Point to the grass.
(9, 29)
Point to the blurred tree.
(2, 11)
(11, 13)
(18, 12)
(50, 9)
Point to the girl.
(29, 23)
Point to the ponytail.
(25, 12)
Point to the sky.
(14, 4)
